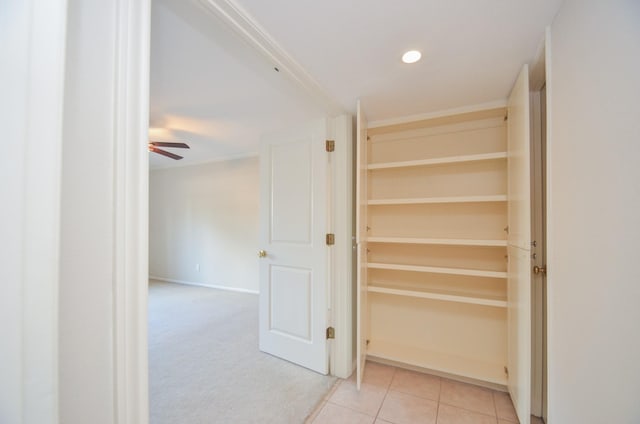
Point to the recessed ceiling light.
(412, 56)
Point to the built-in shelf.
(436, 203)
(454, 199)
(439, 270)
(439, 161)
(439, 241)
(440, 296)
(440, 362)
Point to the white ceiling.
(213, 89)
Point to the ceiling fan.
(153, 147)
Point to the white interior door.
(294, 260)
(519, 247)
(361, 240)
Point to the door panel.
(293, 224)
(519, 248)
(289, 317)
(291, 217)
(361, 239)
(519, 316)
(519, 164)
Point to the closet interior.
(433, 213)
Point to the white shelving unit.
(439, 241)
(436, 212)
(438, 270)
(453, 199)
(439, 161)
(475, 300)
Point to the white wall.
(32, 41)
(594, 213)
(206, 215)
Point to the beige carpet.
(205, 366)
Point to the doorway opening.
(210, 89)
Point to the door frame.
(34, 306)
(131, 212)
(37, 35)
(341, 129)
(540, 73)
(342, 278)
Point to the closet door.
(293, 265)
(519, 248)
(361, 240)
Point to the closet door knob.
(262, 254)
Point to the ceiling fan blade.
(164, 153)
(169, 144)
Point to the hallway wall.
(594, 205)
(205, 216)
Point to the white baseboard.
(211, 286)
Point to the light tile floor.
(390, 395)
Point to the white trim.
(130, 211)
(343, 280)
(550, 404)
(536, 83)
(331, 270)
(33, 40)
(246, 26)
(209, 286)
(536, 234)
(206, 161)
(439, 114)
(538, 67)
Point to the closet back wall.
(203, 224)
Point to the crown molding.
(248, 28)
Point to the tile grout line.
(474, 411)
(393, 375)
(439, 395)
(495, 407)
(326, 400)
(315, 413)
(351, 408)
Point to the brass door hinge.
(330, 145)
(331, 333)
(506, 371)
(540, 270)
(331, 239)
